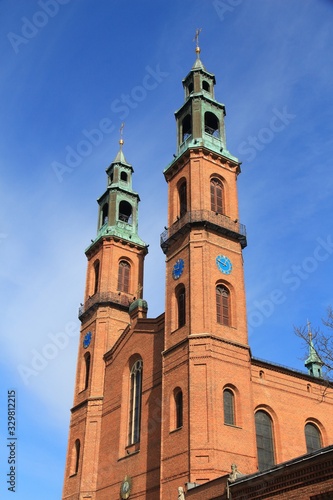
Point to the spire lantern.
(118, 205)
(200, 120)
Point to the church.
(177, 406)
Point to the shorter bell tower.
(114, 281)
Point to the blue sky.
(67, 67)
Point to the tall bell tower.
(114, 280)
(206, 342)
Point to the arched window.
(125, 212)
(212, 126)
(135, 403)
(223, 313)
(186, 127)
(265, 445)
(312, 438)
(229, 407)
(96, 275)
(105, 213)
(75, 460)
(178, 397)
(190, 88)
(123, 176)
(87, 361)
(216, 196)
(124, 276)
(205, 86)
(181, 306)
(182, 191)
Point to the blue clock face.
(87, 340)
(224, 264)
(178, 269)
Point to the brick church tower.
(206, 345)
(114, 280)
(163, 405)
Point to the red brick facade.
(171, 402)
(309, 477)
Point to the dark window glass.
(135, 403)
(181, 307)
(87, 359)
(77, 455)
(96, 269)
(228, 406)
(123, 176)
(216, 196)
(312, 438)
(222, 305)
(179, 408)
(264, 435)
(183, 199)
(123, 276)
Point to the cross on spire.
(121, 130)
(196, 40)
(309, 330)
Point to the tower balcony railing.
(211, 138)
(218, 222)
(212, 132)
(104, 298)
(186, 139)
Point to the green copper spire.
(118, 205)
(313, 363)
(120, 157)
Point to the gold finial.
(196, 39)
(121, 140)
